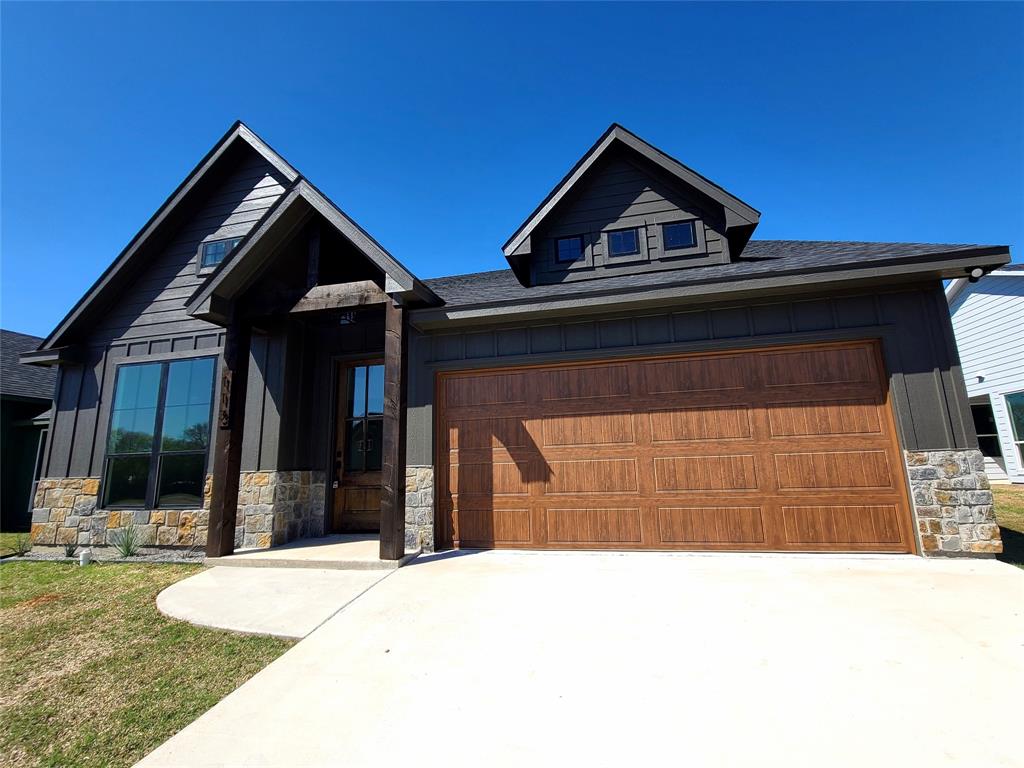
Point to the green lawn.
(1010, 515)
(94, 675)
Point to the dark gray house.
(26, 394)
(255, 368)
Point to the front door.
(359, 434)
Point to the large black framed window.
(364, 418)
(985, 427)
(159, 435)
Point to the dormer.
(625, 208)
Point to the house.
(256, 368)
(988, 321)
(26, 394)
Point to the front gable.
(626, 208)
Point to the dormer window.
(623, 242)
(679, 234)
(568, 249)
(215, 251)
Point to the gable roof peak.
(740, 217)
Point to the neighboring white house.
(988, 320)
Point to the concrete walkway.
(506, 659)
(283, 602)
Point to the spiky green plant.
(126, 541)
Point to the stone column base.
(276, 507)
(419, 508)
(952, 503)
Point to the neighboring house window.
(215, 251)
(568, 249)
(985, 426)
(679, 234)
(364, 420)
(1015, 405)
(623, 242)
(159, 434)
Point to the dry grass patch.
(1009, 503)
(94, 675)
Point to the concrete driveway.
(515, 659)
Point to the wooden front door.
(357, 449)
(782, 449)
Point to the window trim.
(1018, 440)
(155, 453)
(691, 223)
(995, 435)
(630, 255)
(202, 269)
(583, 249)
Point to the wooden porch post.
(227, 443)
(392, 496)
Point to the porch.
(354, 552)
(309, 434)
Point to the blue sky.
(439, 127)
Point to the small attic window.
(215, 251)
(623, 242)
(568, 249)
(679, 234)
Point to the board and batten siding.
(988, 320)
(912, 323)
(148, 322)
(620, 195)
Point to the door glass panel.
(355, 437)
(375, 390)
(1015, 404)
(374, 440)
(357, 391)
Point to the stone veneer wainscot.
(65, 511)
(953, 503)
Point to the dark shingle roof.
(761, 258)
(22, 380)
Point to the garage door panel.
(711, 525)
(842, 524)
(584, 525)
(584, 383)
(833, 470)
(585, 476)
(486, 389)
(487, 478)
(789, 449)
(468, 434)
(706, 423)
(705, 473)
(817, 419)
(850, 365)
(490, 526)
(588, 429)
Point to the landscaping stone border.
(953, 503)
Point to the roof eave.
(938, 266)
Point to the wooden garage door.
(789, 448)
